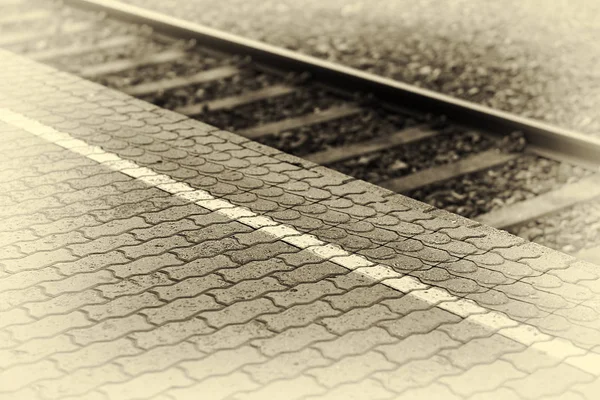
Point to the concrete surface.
(146, 255)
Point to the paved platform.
(145, 255)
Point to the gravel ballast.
(534, 58)
(218, 89)
(194, 62)
(371, 123)
(274, 109)
(501, 56)
(452, 145)
(570, 230)
(523, 178)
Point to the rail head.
(574, 146)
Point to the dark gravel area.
(247, 81)
(274, 109)
(143, 46)
(518, 180)
(194, 62)
(367, 125)
(531, 58)
(452, 145)
(570, 230)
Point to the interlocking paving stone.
(286, 365)
(299, 388)
(303, 293)
(147, 385)
(190, 287)
(78, 283)
(418, 346)
(293, 339)
(466, 330)
(432, 391)
(299, 315)
(49, 326)
(548, 381)
(247, 290)
(175, 259)
(37, 349)
(95, 354)
(415, 374)
(472, 353)
(200, 267)
(418, 322)
(64, 303)
(482, 378)
(109, 329)
(169, 333)
(350, 369)
(359, 318)
(356, 342)
(14, 298)
(220, 387)
(23, 375)
(530, 360)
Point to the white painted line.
(137, 171)
(102, 158)
(252, 221)
(214, 204)
(176, 188)
(378, 272)
(406, 284)
(280, 231)
(156, 180)
(304, 241)
(495, 321)
(433, 295)
(524, 334)
(119, 165)
(239, 213)
(328, 251)
(462, 307)
(352, 261)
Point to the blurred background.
(535, 58)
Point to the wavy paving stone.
(148, 255)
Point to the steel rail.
(544, 138)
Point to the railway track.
(497, 168)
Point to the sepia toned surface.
(147, 255)
(133, 59)
(534, 58)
